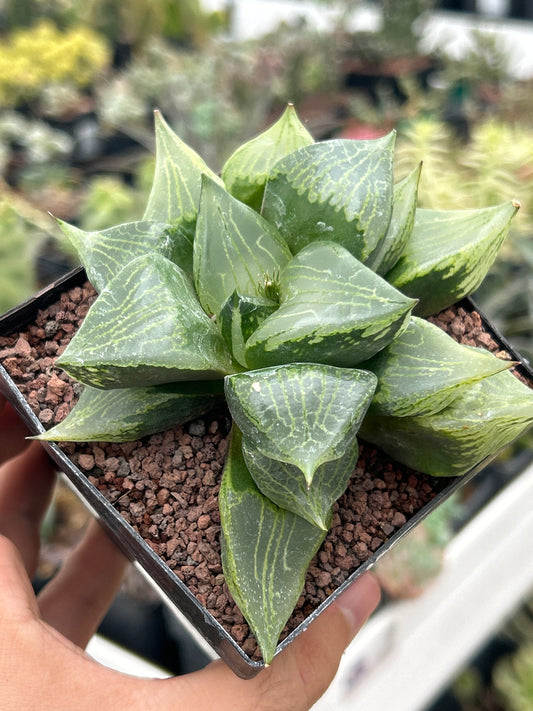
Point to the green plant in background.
(509, 685)
(109, 200)
(485, 62)
(37, 142)
(132, 24)
(244, 81)
(496, 161)
(36, 57)
(397, 35)
(513, 679)
(294, 312)
(19, 243)
(408, 569)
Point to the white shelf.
(409, 651)
(116, 657)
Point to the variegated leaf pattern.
(266, 551)
(404, 201)
(464, 436)
(449, 254)
(338, 190)
(146, 327)
(286, 486)
(424, 369)
(283, 289)
(239, 318)
(234, 249)
(333, 310)
(302, 414)
(104, 253)
(246, 171)
(131, 413)
(176, 187)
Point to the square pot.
(354, 544)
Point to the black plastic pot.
(137, 550)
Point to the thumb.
(299, 675)
(18, 600)
(313, 658)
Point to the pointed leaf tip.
(302, 414)
(235, 249)
(449, 254)
(265, 572)
(176, 187)
(246, 171)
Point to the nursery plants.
(295, 287)
(33, 58)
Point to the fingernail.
(359, 600)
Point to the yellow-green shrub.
(34, 58)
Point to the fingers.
(26, 485)
(316, 653)
(40, 669)
(13, 432)
(18, 600)
(298, 676)
(77, 598)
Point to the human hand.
(42, 662)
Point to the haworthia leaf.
(265, 552)
(481, 421)
(146, 327)
(389, 250)
(339, 190)
(423, 370)
(131, 413)
(302, 414)
(104, 253)
(333, 310)
(285, 484)
(175, 193)
(449, 254)
(239, 318)
(246, 171)
(234, 249)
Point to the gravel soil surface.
(166, 486)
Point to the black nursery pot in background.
(349, 550)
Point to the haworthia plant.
(460, 437)
(391, 247)
(338, 190)
(235, 249)
(285, 485)
(127, 414)
(449, 253)
(105, 253)
(146, 326)
(291, 287)
(247, 170)
(266, 551)
(177, 180)
(423, 370)
(332, 309)
(302, 414)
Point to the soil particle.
(166, 485)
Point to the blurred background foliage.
(80, 79)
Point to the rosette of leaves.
(277, 287)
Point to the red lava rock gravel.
(166, 485)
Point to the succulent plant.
(288, 286)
